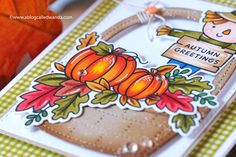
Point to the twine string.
(147, 16)
(135, 56)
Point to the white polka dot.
(222, 137)
(209, 151)
(199, 155)
(20, 152)
(3, 152)
(230, 116)
(13, 149)
(217, 142)
(203, 150)
(226, 121)
(213, 147)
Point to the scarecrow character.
(219, 29)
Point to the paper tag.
(200, 54)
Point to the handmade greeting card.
(137, 84)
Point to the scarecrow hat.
(228, 16)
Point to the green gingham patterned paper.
(230, 3)
(10, 147)
(219, 132)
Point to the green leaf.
(189, 85)
(38, 118)
(52, 79)
(44, 113)
(203, 101)
(29, 122)
(103, 49)
(31, 116)
(68, 105)
(202, 94)
(37, 111)
(167, 75)
(185, 71)
(195, 98)
(212, 103)
(184, 122)
(105, 97)
(176, 72)
(178, 77)
(210, 98)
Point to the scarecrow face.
(225, 32)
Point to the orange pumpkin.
(89, 66)
(142, 84)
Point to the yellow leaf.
(59, 67)
(133, 102)
(89, 39)
(95, 86)
(104, 83)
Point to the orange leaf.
(95, 86)
(59, 67)
(123, 100)
(104, 83)
(89, 39)
(165, 69)
(21, 36)
(133, 102)
(151, 101)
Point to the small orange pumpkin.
(87, 65)
(142, 84)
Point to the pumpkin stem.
(154, 71)
(103, 49)
(152, 99)
(118, 50)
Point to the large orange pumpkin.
(89, 66)
(142, 84)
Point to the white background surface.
(137, 41)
